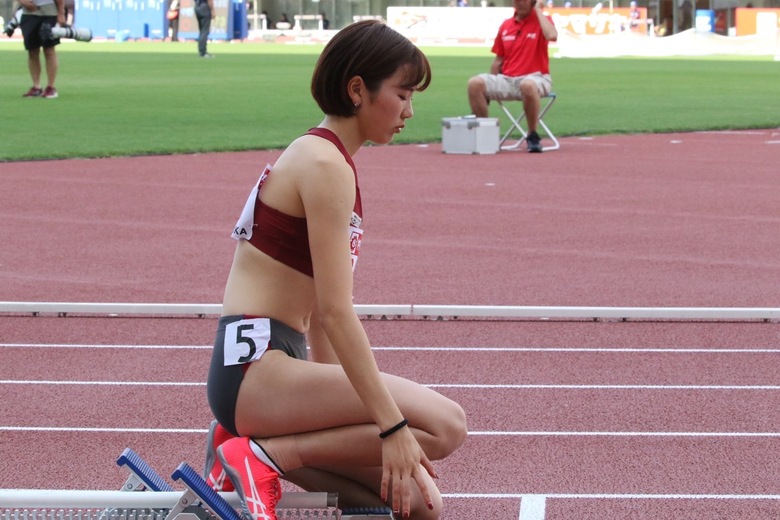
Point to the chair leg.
(515, 124)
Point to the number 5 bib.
(246, 340)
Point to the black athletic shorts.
(36, 31)
(225, 379)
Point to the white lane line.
(76, 345)
(436, 349)
(100, 383)
(532, 507)
(608, 387)
(621, 434)
(611, 496)
(468, 386)
(590, 349)
(56, 429)
(471, 434)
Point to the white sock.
(264, 457)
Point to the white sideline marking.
(471, 434)
(532, 507)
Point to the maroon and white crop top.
(284, 237)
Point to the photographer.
(38, 17)
(204, 12)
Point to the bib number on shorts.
(246, 340)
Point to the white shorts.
(503, 87)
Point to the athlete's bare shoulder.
(312, 156)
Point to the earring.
(357, 105)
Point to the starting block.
(162, 502)
(142, 475)
(198, 489)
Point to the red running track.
(568, 419)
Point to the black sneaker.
(534, 143)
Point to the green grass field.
(137, 98)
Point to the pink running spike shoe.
(213, 472)
(256, 484)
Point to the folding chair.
(515, 124)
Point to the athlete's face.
(385, 112)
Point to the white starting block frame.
(198, 502)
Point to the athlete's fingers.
(396, 494)
(385, 485)
(423, 486)
(428, 465)
(405, 495)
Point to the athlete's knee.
(421, 511)
(424, 513)
(450, 431)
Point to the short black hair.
(369, 49)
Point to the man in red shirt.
(521, 69)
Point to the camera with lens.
(13, 23)
(80, 34)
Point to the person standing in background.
(204, 12)
(173, 20)
(38, 17)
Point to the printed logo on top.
(355, 237)
(246, 222)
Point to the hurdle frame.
(420, 311)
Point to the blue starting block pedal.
(142, 475)
(198, 489)
(367, 513)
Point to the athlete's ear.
(356, 88)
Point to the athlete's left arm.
(548, 28)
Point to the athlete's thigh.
(281, 395)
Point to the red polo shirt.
(523, 46)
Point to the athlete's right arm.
(328, 197)
(321, 349)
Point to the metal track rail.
(418, 311)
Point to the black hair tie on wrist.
(394, 429)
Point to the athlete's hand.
(403, 461)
